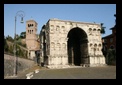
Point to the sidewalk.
(22, 75)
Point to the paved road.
(106, 72)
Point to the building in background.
(110, 40)
(32, 39)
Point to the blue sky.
(41, 13)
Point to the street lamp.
(20, 14)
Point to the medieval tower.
(69, 43)
(31, 38)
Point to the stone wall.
(22, 65)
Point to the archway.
(45, 57)
(77, 47)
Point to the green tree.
(9, 38)
(4, 42)
(115, 19)
(17, 37)
(11, 49)
(23, 35)
(102, 29)
(5, 45)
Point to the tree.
(17, 37)
(115, 19)
(9, 38)
(5, 44)
(102, 29)
(23, 34)
(4, 41)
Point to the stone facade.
(32, 38)
(66, 43)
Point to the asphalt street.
(105, 72)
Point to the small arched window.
(98, 31)
(57, 28)
(63, 29)
(99, 45)
(90, 44)
(94, 30)
(90, 31)
(95, 45)
(52, 28)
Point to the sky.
(41, 13)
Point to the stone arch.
(44, 47)
(77, 45)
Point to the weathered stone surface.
(22, 65)
(69, 42)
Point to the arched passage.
(77, 47)
(45, 57)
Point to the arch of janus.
(69, 43)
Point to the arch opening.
(77, 47)
(44, 49)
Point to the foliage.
(9, 38)
(5, 45)
(9, 48)
(115, 19)
(17, 37)
(24, 45)
(23, 35)
(102, 29)
(111, 56)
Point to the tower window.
(30, 25)
(30, 31)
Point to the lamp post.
(20, 14)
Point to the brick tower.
(31, 38)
